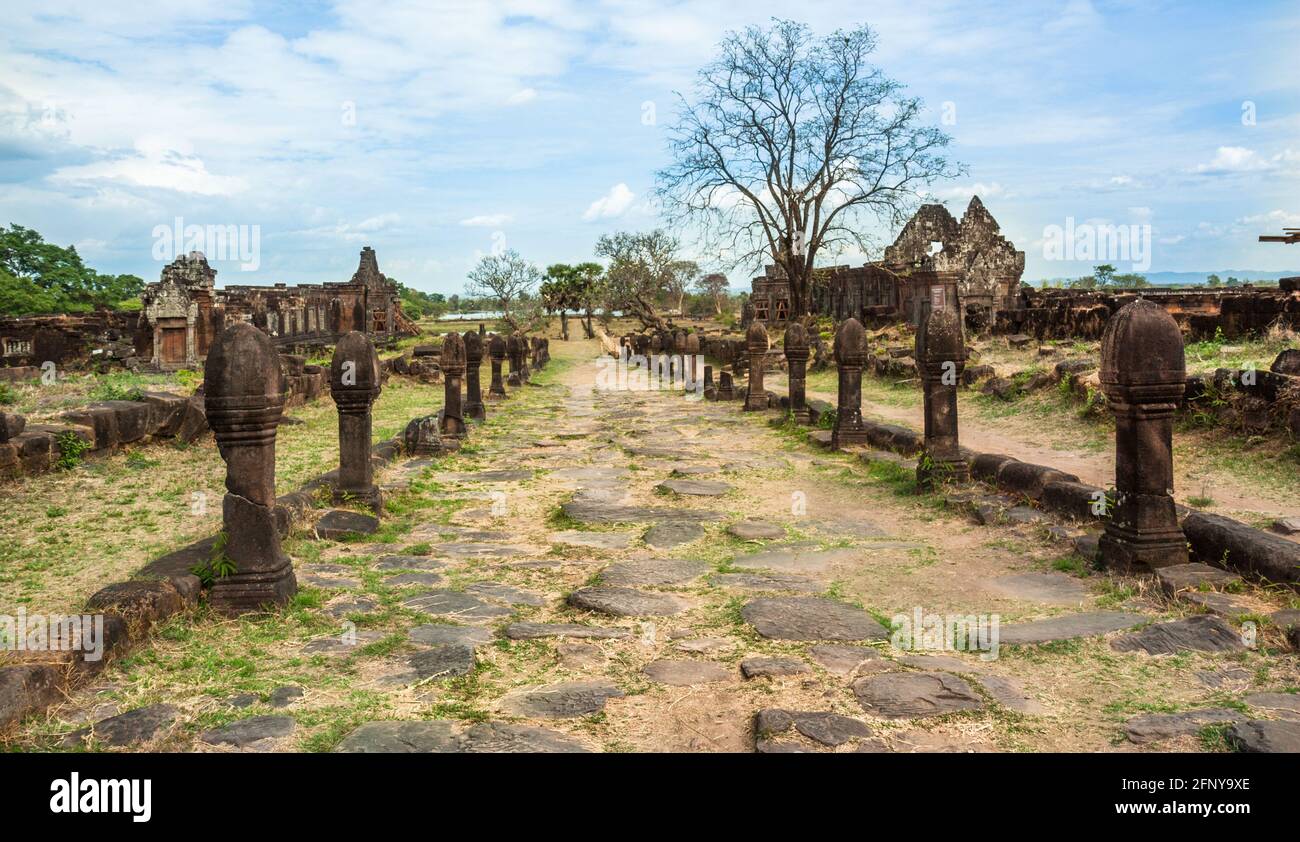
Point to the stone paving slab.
(1068, 627)
(626, 602)
(810, 618)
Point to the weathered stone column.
(726, 386)
(243, 399)
(940, 357)
(354, 385)
(796, 359)
(849, 356)
(525, 371)
(513, 377)
(452, 425)
(693, 373)
(473, 362)
(756, 342)
(1143, 374)
(497, 351)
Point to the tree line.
(39, 277)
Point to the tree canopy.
(40, 277)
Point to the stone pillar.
(452, 424)
(756, 340)
(525, 371)
(708, 378)
(354, 385)
(849, 356)
(514, 377)
(726, 386)
(940, 358)
(497, 351)
(243, 399)
(692, 352)
(1143, 375)
(473, 362)
(796, 359)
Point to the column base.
(956, 472)
(372, 497)
(475, 412)
(1124, 551)
(241, 593)
(841, 437)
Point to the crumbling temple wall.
(1199, 311)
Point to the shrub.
(71, 448)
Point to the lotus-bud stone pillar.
(497, 352)
(1143, 374)
(354, 385)
(756, 344)
(473, 362)
(452, 425)
(849, 356)
(525, 371)
(515, 376)
(244, 396)
(693, 373)
(796, 358)
(940, 357)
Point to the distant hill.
(1180, 279)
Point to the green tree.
(42, 277)
(1214, 281)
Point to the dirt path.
(573, 580)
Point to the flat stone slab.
(694, 470)
(1068, 627)
(494, 476)
(765, 582)
(1202, 633)
(534, 631)
(580, 656)
(243, 732)
(1194, 576)
(328, 582)
(563, 700)
(462, 549)
(947, 663)
(1010, 693)
(596, 540)
(626, 602)
(282, 697)
(703, 645)
(413, 578)
(341, 524)
(756, 530)
(341, 645)
(909, 695)
(672, 533)
(1283, 705)
(408, 562)
(445, 603)
(686, 673)
(350, 607)
(1259, 736)
(825, 727)
(1286, 526)
(598, 512)
(131, 728)
(810, 618)
(842, 659)
(442, 661)
(1152, 727)
(446, 737)
(505, 593)
(849, 528)
(799, 559)
(653, 571)
(442, 634)
(695, 487)
(762, 666)
(1045, 588)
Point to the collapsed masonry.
(183, 312)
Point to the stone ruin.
(940, 357)
(354, 385)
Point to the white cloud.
(521, 96)
(1230, 159)
(1273, 219)
(991, 190)
(154, 167)
(487, 220)
(613, 204)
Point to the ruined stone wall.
(33, 340)
(1199, 311)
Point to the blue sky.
(434, 131)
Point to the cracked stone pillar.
(497, 352)
(452, 424)
(354, 385)
(473, 362)
(1143, 374)
(940, 357)
(756, 342)
(525, 371)
(514, 377)
(796, 358)
(849, 356)
(243, 399)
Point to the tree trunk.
(591, 334)
(564, 325)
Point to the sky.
(437, 132)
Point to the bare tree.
(505, 279)
(681, 274)
(716, 287)
(640, 269)
(791, 144)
